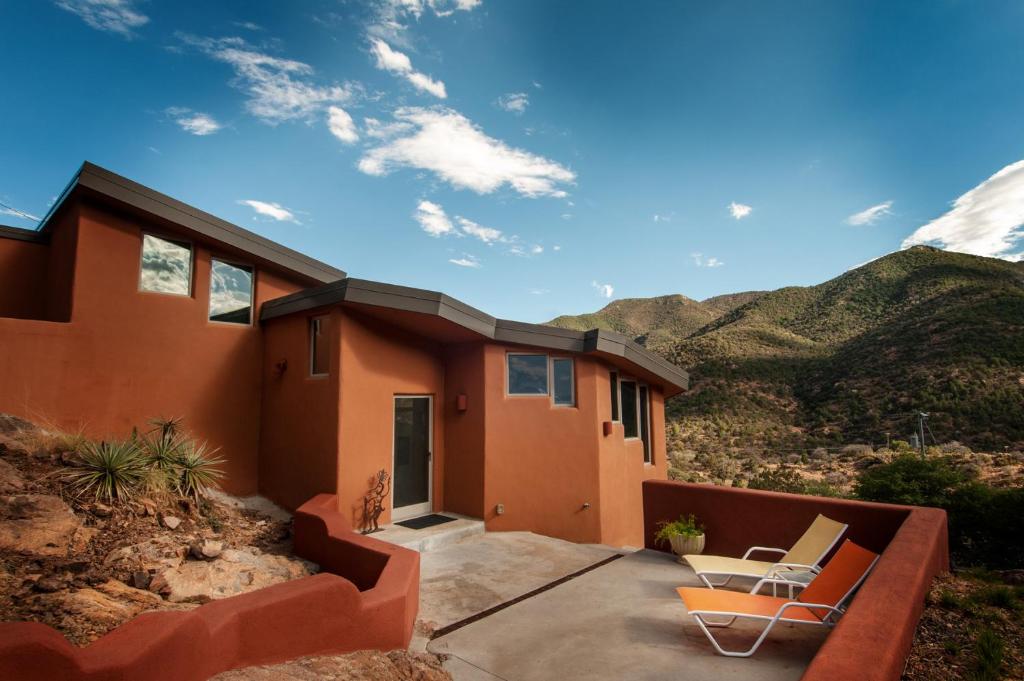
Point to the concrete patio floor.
(471, 574)
(622, 620)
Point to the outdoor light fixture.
(607, 426)
(461, 401)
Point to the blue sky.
(538, 158)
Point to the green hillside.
(655, 322)
(852, 359)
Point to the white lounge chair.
(804, 556)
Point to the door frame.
(413, 510)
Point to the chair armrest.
(832, 610)
(793, 567)
(752, 549)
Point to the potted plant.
(686, 535)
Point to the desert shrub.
(985, 522)
(197, 469)
(781, 479)
(985, 525)
(110, 471)
(909, 479)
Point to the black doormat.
(425, 521)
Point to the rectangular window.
(230, 293)
(630, 416)
(645, 423)
(562, 387)
(527, 374)
(166, 266)
(319, 348)
(614, 380)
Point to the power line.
(19, 213)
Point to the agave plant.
(197, 469)
(111, 471)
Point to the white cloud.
(663, 218)
(274, 211)
(603, 290)
(397, 62)
(739, 210)
(278, 89)
(115, 16)
(870, 216)
(988, 220)
(466, 260)
(433, 219)
(536, 250)
(556, 248)
(194, 122)
(514, 102)
(445, 142)
(341, 125)
(700, 261)
(14, 212)
(486, 234)
(539, 291)
(391, 16)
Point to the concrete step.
(431, 538)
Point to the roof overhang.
(94, 181)
(614, 347)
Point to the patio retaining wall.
(873, 638)
(366, 598)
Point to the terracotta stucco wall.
(541, 460)
(464, 481)
(23, 267)
(299, 418)
(378, 362)
(127, 356)
(623, 470)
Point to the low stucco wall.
(369, 602)
(872, 639)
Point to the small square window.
(562, 383)
(319, 348)
(166, 266)
(527, 374)
(230, 293)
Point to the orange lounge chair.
(822, 602)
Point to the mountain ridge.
(847, 360)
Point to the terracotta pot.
(683, 545)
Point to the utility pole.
(921, 418)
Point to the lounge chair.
(821, 603)
(804, 556)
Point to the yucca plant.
(197, 469)
(110, 471)
(166, 428)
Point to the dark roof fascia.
(113, 186)
(381, 295)
(502, 330)
(551, 337)
(612, 343)
(21, 234)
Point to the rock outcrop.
(40, 524)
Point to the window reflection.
(230, 293)
(166, 265)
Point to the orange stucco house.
(127, 304)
